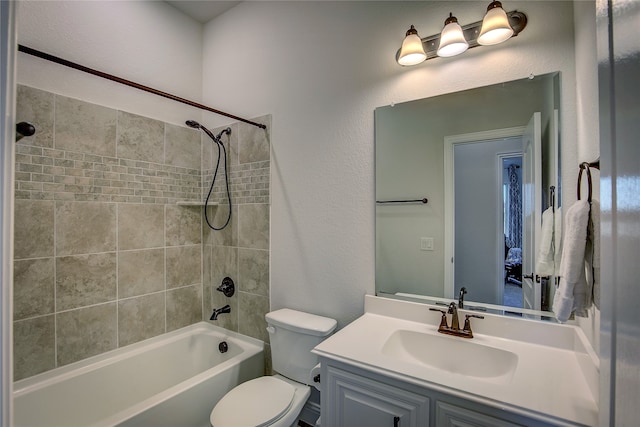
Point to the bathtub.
(171, 380)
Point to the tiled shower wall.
(241, 250)
(103, 255)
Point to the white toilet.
(277, 400)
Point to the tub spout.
(217, 311)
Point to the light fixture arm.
(517, 20)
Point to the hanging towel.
(593, 251)
(548, 263)
(573, 293)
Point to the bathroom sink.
(451, 354)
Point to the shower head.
(216, 138)
(193, 124)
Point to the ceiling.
(201, 10)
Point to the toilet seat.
(258, 402)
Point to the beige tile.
(33, 346)
(85, 227)
(230, 142)
(33, 288)
(183, 225)
(251, 311)
(254, 143)
(33, 228)
(140, 318)
(84, 127)
(86, 332)
(140, 272)
(184, 307)
(36, 107)
(253, 226)
(224, 263)
(140, 226)
(253, 268)
(227, 320)
(140, 138)
(182, 147)
(83, 280)
(183, 266)
(217, 216)
(206, 163)
(268, 363)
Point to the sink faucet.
(463, 291)
(217, 311)
(454, 329)
(453, 311)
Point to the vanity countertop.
(554, 378)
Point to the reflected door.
(531, 211)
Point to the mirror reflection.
(487, 161)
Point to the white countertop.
(553, 380)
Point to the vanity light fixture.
(454, 39)
(411, 52)
(495, 26)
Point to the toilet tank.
(293, 335)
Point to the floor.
(512, 296)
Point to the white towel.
(548, 259)
(573, 293)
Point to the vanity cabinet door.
(448, 415)
(354, 400)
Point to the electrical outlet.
(426, 243)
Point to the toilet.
(277, 400)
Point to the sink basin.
(451, 354)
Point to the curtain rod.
(116, 79)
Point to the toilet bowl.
(277, 400)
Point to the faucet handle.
(467, 323)
(443, 319)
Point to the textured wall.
(321, 68)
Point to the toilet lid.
(255, 403)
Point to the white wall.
(321, 68)
(148, 42)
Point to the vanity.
(391, 367)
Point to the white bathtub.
(171, 380)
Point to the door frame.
(450, 141)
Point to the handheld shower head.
(193, 124)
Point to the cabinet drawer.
(448, 415)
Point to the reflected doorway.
(512, 227)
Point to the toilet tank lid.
(299, 321)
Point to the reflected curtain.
(514, 208)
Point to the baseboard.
(310, 413)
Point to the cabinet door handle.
(396, 421)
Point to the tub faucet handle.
(227, 287)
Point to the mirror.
(485, 160)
